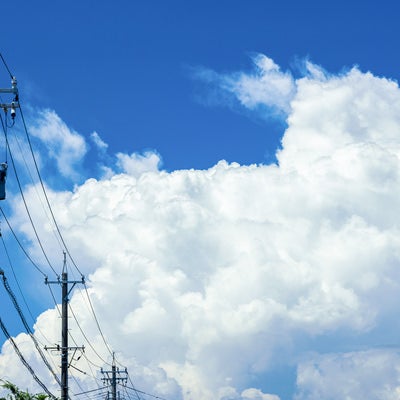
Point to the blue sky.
(126, 67)
(225, 174)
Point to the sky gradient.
(225, 175)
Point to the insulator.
(13, 112)
(14, 82)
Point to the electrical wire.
(91, 310)
(97, 321)
(93, 390)
(24, 299)
(146, 394)
(27, 327)
(83, 333)
(133, 386)
(36, 189)
(23, 360)
(26, 206)
(72, 338)
(16, 280)
(57, 227)
(88, 361)
(6, 66)
(54, 221)
(5, 126)
(127, 393)
(55, 301)
(20, 244)
(44, 190)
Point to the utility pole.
(64, 328)
(6, 124)
(113, 377)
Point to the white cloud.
(98, 141)
(63, 145)
(255, 394)
(136, 164)
(266, 87)
(206, 279)
(370, 374)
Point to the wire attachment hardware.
(15, 103)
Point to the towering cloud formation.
(206, 280)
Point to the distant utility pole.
(112, 378)
(64, 328)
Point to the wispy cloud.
(63, 145)
(98, 141)
(266, 88)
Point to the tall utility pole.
(64, 328)
(113, 377)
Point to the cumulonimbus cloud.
(206, 279)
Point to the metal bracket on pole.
(13, 90)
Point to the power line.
(20, 244)
(15, 137)
(55, 301)
(26, 206)
(93, 390)
(16, 280)
(56, 224)
(28, 329)
(21, 292)
(127, 393)
(51, 212)
(83, 333)
(44, 191)
(4, 126)
(146, 394)
(22, 358)
(97, 321)
(6, 66)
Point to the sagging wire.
(26, 205)
(23, 360)
(19, 243)
(50, 209)
(44, 191)
(146, 394)
(15, 137)
(57, 227)
(93, 390)
(26, 325)
(53, 217)
(97, 321)
(83, 333)
(127, 393)
(30, 216)
(6, 66)
(16, 281)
